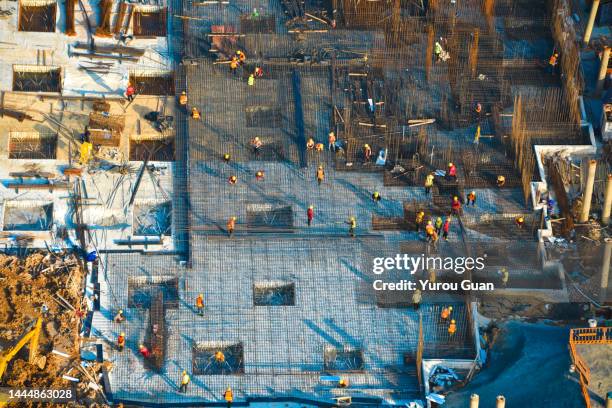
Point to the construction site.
(196, 196)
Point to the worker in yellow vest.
(184, 381)
(228, 395)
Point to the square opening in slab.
(37, 15)
(153, 83)
(217, 358)
(263, 116)
(142, 288)
(32, 145)
(27, 216)
(269, 216)
(152, 217)
(150, 21)
(152, 148)
(343, 359)
(34, 78)
(275, 293)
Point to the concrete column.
(605, 274)
(474, 401)
(591, 22)
(501, 402)
(605, 214)
(588, 192)
(603, 69)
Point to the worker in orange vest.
(553, 61)
(260, 175)
(200, 304)
(456, 206)
(233, 179)
(234, 65)
(144, 351)
(183, 99)
(343, 383)
(220, 357)
(501, 181)
(429, 231)
(231, 225)
(420, 217)
(228, 395)
(452, 327)
(195, 113)
(320, 175)
(319, 147)
(241, 56)
(121, 341)
(446, 312)
(471, 198)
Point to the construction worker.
(184, 381)
(343, 383)
(258, 72)
(471, 198)
(429, 231)
(228, 395)
(320, 174)
(456, 206)
(200, 304)
(420, 217)
(220, 357)
(438, 50)
(195, 113)
(478, 108)
(119, 317)
(183, 99)
(256, 144)
(130, 92)
(310, 214)
(477, 136)
(501, 181)
(231, 225)
(553, 61)
(144, 351)
(260, 175)
(504, 276)
(438, 225)
(352, 222)
(121, 341)
(520, 221)
(376, 197)
(429, 181)
(452, 328)
(446, 312)
(452, 171)
(319, 147)
(416, 299)
(251, 80)
(241, 56)
(310, 144)
(331, 142)
(227, 157)
(234, 65)
(367, 152)
(446, 228)
(233, 179)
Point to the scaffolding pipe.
(603, 70)
(474, 400)
(607, 207)
(588, 192)
(591, 22)
(605, 274)
(501, 402)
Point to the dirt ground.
(34, 286)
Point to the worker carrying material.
(429, 181)
(376, 197)
(121, 341)
(367, 152)
(331, 142)
(446, 312)
(231, 225)
(310, 214)
(352, 222)
(144, 351)
(452, 328)
(195, 113)
(420, 217)
(452, 171)
(320, 174)
(228, 395)
(416, 299)
(260, 175)
(310, 144)
(501, 181)
(184, 381)
(446, 228)
(183, 99)
(471, 198)
(519, 221)
(200, 304)
(119, 317)
(456, 206)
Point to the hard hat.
(201, 295)
(455, 198)
(376, 193)
(450, 308)
(122, 334)
(366, 145)
(311, 207)
(251, 76)
(226, 155)
(140, 345)
(184, 372)
(422, 213)
(256, 138)
(183, 93)
(234, 218)
(473, 192)
(229, 388)
(352, 218)
(121, 311)
(453, 321)
(320, 166)
(429, 222)
(450, 164)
